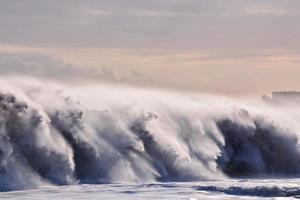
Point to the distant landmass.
(283, 97)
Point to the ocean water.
(113, 142)
(232, 189)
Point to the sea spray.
(54, 134)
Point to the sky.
(220, 46)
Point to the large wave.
(53, 134)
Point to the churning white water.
(226, 189)
(130, 141)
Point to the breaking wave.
(52, 134)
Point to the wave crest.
(51, 134)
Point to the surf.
(52, 134)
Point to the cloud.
(264, 10)
(42, 65)
(46, 66)
(159, 24)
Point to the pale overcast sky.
(225, 46)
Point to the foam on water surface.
(243, 189)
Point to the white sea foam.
(54, 134)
